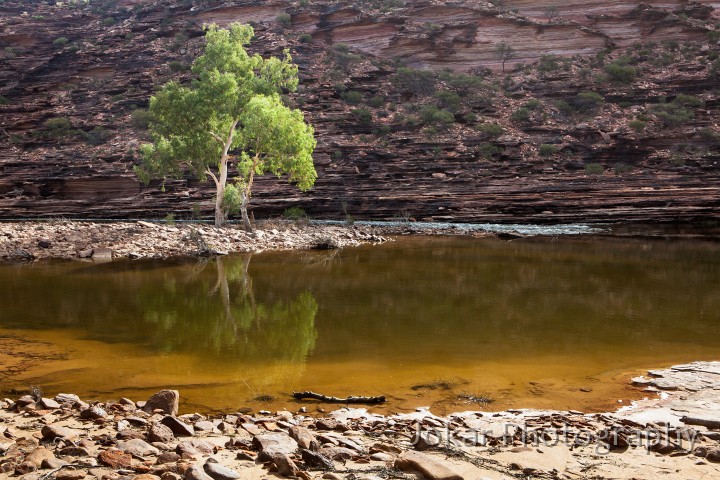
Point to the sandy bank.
(673, 435)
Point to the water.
(547, 323)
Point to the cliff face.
(606, 110)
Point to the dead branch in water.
(326, 399)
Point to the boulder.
(160, 433)
(196, 473)
(94, 412)
(430, 467)
(304, 438)
(219, 472)
(37, 456)
(166, 400)
(53, 431)
(48, 404)
(177, 426)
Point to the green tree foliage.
(232, 111)
(504, 52)
(620, 72)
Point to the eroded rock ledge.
(69, 438)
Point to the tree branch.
(217, 137)
(326, 399)
(215, 179)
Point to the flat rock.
(53, 431)
(37, 456)
(115, 458)
(137, 448)
(177, 426)
(48, 403)
(220, 472)
(432, 469)
(166, 400)
(272, 443)
(68, 474)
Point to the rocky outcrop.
(88, 68)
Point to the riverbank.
(64, 239)
(676, 433)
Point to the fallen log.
(326, 399)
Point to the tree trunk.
(244, 213)
(219, 214)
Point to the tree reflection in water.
(224, 318)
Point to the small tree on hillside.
(504, 52)
(232, 111)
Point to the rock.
(137, 448)
(53, 431)
(25, 467)
(428, 466)
(166, 400)
(382, 457)
(331, 476)
(315, 459)
(73, 451)
(160, 433)
(220, 472)
(44, 243)
(271, 443)
(146, 476)
(177, 426)
(168, 457)
(52, 463)
(196, 473)
(204, 426)
(286, 467)
(94, 412)
(102, 253)
(48, 403)
(304, 438)
(170, 476)
(338, 453)
(713, 423)
(86, 253)
(115, 458)
(38, 456)
(67, 398)
(194, 447)
(68, 474)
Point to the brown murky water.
(542, 323)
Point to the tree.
(552, 13)
(231, 111)
(504, 52)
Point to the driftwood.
(326, 399)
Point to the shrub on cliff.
(431, 115)
(417, 82)
(620, 72)
(231, 112)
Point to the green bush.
(548, 64)
(60, 41)
(492, 129)
(594, 169)
(140, 119)
(488, 150)
(588, 101)
(284, 19)
(533, 104)
(4, 100)
(176, 66)
(97, 136)
(362, 115)
(463, 83)
(377, 101)
(57, 127)
(431, 115)
(306, 38)
(547, 149)
(688, 101)
(353, 97)
(619, 72)
(448, 100)
(294, 213)
(637, 125)
(672, 114)
(522, 114)
(108, 21)
(418, 82)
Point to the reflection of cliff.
(226, 319)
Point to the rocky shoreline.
(63, 239)
(676, 434)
